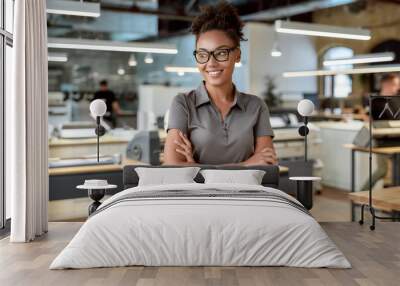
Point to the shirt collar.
(202, 96)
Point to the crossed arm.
(178, 151)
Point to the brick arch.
(391, 45)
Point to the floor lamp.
(305, 109)
(98, 108)
(304, 184)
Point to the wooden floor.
(375, 257)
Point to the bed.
(197, 224)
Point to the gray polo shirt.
(217, 141)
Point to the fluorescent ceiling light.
(181, 69)
(57, 57)
(75, 8)
(309, 29)
(360, 70)
(189, 69)
(99, 45)
(361, 59)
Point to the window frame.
(6, 39)
(332, 79)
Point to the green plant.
(271, 97)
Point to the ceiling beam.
(161, 14)
(190, 5)
(295, 9)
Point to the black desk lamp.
(98, 108)
(305, 109)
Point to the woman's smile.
(215, 73)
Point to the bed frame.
(270, 179)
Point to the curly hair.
(222, 16)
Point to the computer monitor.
(385, 108)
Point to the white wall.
(298, 53)
(154, 101)
(158, 98)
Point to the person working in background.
(108, 96)
(389, 86)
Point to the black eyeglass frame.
(229, 50)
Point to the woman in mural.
(215, 123)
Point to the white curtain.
(26, 131)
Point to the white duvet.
(200, 231)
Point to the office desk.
(387, 200)
(62, 181)
(393, 152)
(72, 148)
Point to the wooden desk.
(387, 199)
(62, 181)
(393, 152)
(70, 148)
(375, 150)
(92, 168)
(283, 170)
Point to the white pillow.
(166, 176)
(248, 177)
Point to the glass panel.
(7, 95)
(9, 14)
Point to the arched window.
(340, 85)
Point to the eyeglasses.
(220, 55)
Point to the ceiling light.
(99, 45)
(57, 57)
(320, 30)
(360, 70)
(148, 59)
(132, 60)
(276, 51)
(181, 69)
(75, 8)
(121, 71)
(361, 59)
(181, 73)
(178, 69)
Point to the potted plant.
(270, 96)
